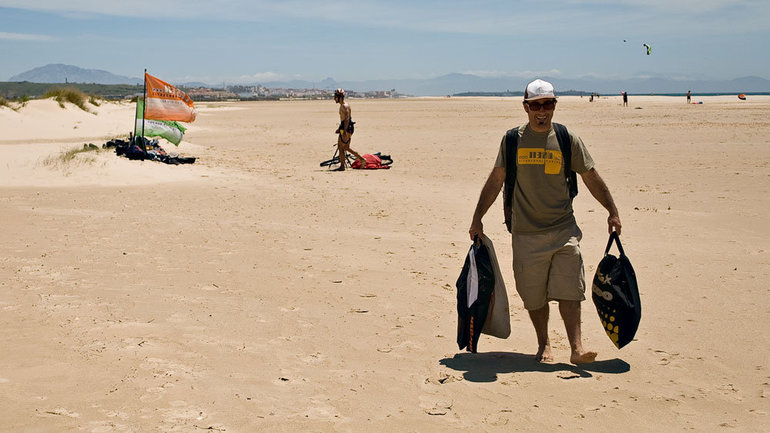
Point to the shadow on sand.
(484, 367)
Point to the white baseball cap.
(539, 89)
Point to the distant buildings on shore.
(258, 92)
(26, 89)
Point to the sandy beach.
(256, 291)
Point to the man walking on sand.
(345, 130)
(547, 263)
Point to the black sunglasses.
(536, 106)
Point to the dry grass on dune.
(73, 157)
(13, 104)
(73, 96)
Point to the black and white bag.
(616, 295)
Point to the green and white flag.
(170, 130)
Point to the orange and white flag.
(166, 102)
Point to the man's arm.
(488, 195)
(601, 193)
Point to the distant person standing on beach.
(688, 96)
(625, 98)
(547, 263)
(345, 130)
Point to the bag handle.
(614, 237)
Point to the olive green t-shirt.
(541, 199)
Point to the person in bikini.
(345, 130)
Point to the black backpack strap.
(565, 144)
(511, 145)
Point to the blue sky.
(262, 40)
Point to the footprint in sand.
(154, 393)
(164, 368)
(107, 427)
(117, 414)
(568, 375)
(443, 378)
(149, 398)
(665, 357)
(432, 406)
(60, 411)
(313, 358)
(497, 420)
(181, 413)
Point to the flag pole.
(144, 109)
(133, 137)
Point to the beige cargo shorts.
(549, 266)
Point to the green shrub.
(68, 94)
(10, 104)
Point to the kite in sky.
(649, 49)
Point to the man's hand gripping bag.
(616, 295)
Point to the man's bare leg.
(347, 147)
(341, 154)
(570, 313)
(357, 155)
(539, 319)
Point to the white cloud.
(24, 37)
(264, 76)
(487, 74)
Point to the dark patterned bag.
(616, 295)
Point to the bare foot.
(544, 354)
(583, 358)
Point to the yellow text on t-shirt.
(550, 159)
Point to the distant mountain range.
(59, 73)
(449, 84)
